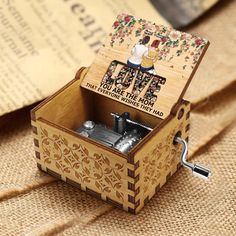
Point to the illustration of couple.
(143, 57)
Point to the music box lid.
(145, 65)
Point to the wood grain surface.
(177, 56)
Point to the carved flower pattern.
(160, 160)
(76, 159)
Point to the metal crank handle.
(197, 170)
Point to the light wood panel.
(126, 181)
(175, 59)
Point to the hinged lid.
(145, 65)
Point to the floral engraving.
(159, 160)
(93, 169)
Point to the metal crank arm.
(197, 170)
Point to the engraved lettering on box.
(131, 86)
(145, 65)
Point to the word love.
(122, 76)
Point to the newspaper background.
(43, 43)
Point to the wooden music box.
(117, 130)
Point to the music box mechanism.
(120, 129)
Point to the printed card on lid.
(145, 65)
